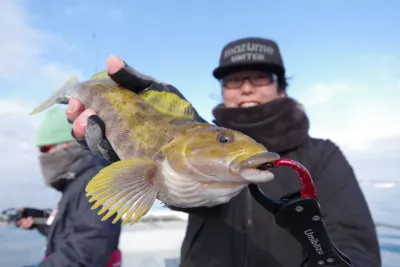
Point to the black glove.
(36, 213)
(137, 82)
(32, 212)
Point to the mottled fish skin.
(134, 128)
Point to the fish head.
(209, 165)
(217, 157)
(222, 154)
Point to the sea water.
(20, 247)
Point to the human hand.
(89, 130)
(26, 223)
(25, 219)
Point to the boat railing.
(162, 215)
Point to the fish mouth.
(256, 169)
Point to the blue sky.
(343, 57)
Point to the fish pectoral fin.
(126, 187)
(168, 103)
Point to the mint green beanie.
(54, 128)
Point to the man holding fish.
(203, 169)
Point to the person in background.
(76, 236)
(256, 102)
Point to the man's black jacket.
(243, 234)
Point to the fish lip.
(263, 161)
(256, 168)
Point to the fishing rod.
(12, 215)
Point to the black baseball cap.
(251, 52)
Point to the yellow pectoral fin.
(125, 186)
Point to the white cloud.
(320, 93)
(361, 115)
(21, 183)
(17, 140)
(24, 53)
(24, 50)
(358, 113)
(27, 49)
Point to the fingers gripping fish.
(164, 153)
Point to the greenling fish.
(164, 153)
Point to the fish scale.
(122, 111)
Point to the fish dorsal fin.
(168, 104)
(100, 75)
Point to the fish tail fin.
(60, 96)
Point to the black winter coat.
(243, 234)
(77, 236)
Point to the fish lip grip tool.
(299, 213)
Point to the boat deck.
(155, 241)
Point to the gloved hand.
(27, 215)
(38, 213)
(93, 137)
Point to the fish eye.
(224, 137)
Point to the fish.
(164, 153)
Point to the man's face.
(249, 88)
